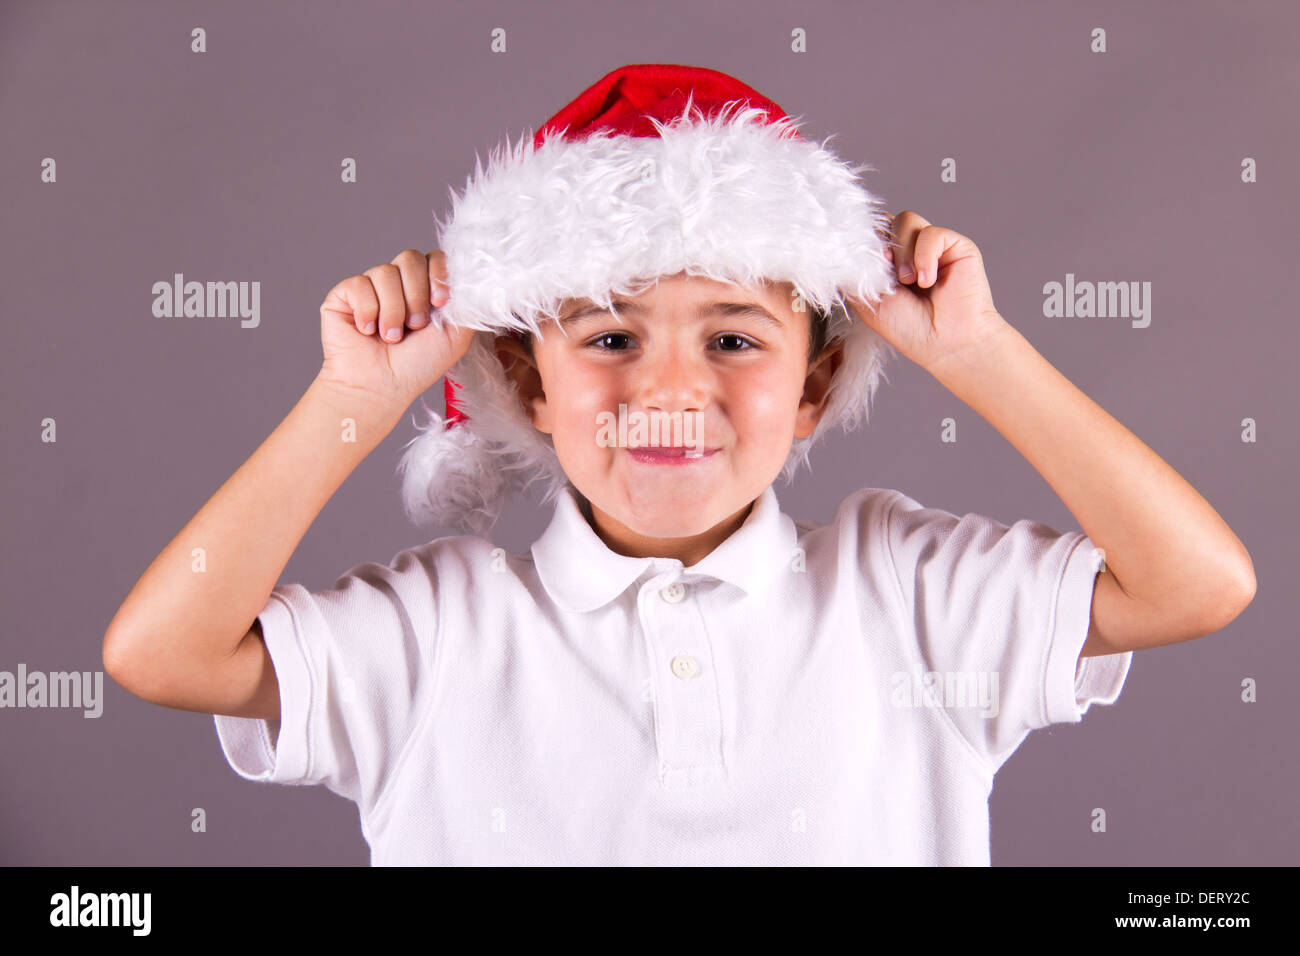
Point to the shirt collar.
(581, 573)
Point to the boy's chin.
(668, 513)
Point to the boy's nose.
(672, 383)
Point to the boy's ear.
(817, 389)
(521, 368)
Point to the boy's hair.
(818, 323)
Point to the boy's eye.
(742, 344)
(594, 343)
(737, 343)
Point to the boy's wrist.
(980, 355)
(374, 415)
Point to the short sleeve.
(354, 666)
(1000, 615)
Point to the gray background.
(225, 166)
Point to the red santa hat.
(655, 170)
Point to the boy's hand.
(376, 335)
(948, 308)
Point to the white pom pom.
(449, 478)
(462, 476)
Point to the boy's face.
(698, 360)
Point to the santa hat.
(657, 169)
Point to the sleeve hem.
(275, 751)
(1073, 683)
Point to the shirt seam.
(653, 672)
(985, 764)
(313, 692)
(1054, 637)
(379, 804)
(723, 727)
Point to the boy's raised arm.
(191, 610)
(184, 636)
(1171, 568)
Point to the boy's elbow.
(1246, 583)
(1248, 591)
(1238, 598)
(1247, 598)
(116, 655)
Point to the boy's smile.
(672, 415)
(682, 455)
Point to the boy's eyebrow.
(751, 309)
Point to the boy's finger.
(387, 281)
(906, 226)
(355, 296)
(437, 260)
(415, 287)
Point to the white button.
(685, 666)
(673, 594)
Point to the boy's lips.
(669, 454)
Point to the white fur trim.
(731, 197)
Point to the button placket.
(687, 709)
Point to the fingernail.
(419, 320)
(370, 328)
(922, 276)
(393, 335)
(906, 274)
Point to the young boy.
(655, 310)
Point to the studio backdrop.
(1126, 170)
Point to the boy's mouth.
(670, 454)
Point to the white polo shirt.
(837, 694)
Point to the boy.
(676, 672)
